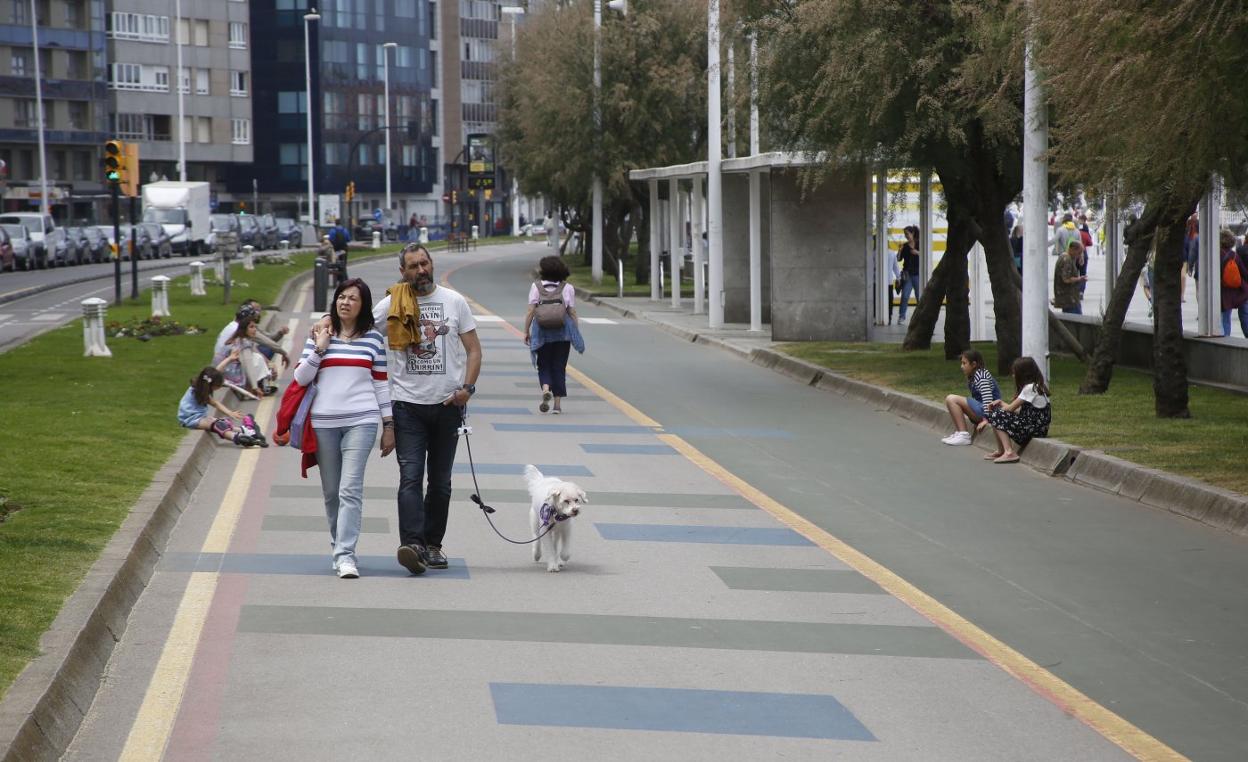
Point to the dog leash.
(465, 431)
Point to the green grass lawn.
(83, 437)
(1208, 446)
(581, 278)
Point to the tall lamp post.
(181, 111)
(308, 18)
(596, 260)
(386, 47)
(514, 11)
(39, 121)
(714, 179)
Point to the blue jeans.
(909, 285)
(1243, 320)
(341, 454)
(1077, 309)
(424, 434)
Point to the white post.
(39, 120)
(377, 237)
(1035, 215)
(160, 296)
(619, 277)
(1209, 285)
(756, 251)
(249, 262)
(696, 217)
(676, 238)
(656, 287)
(926, 260)
(596, 250)
(197, 279)
(385, 56)
(881, 288)
(424, 236)
(714, 179)
(93, 343)
(753, 94)
(731, 86)
(979, 330)
(181, 108)
(308, 18)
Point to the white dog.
(554, 503)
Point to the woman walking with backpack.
(551, 330)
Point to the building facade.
(72, 68)
(348, 61)
(214, 40)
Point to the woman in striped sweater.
(347, 360)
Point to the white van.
(43, 233)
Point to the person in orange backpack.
(1234, 277)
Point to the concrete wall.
(737, 248)
(818, 258)
(1218, 362)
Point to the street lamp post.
(43, 152)
(513, 11)
(181, 111)
(386, 47)
(714, 180)
(308, 18)
(596, 256)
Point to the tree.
(1147, 98)
(653, 109)
(928, 84)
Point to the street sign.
(480, 160)
(377, 214)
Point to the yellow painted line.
(301, 301)
(149, 735)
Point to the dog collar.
(549, 515)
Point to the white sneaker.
(347, 570)
(958, 438)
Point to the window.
(73, 13)
(240, 130)
(128, 76)
(238, 35)
(138, 26)
(202, 79)
(184, 80)
(336, 153)
(78, 115)
(201, 33)
(160, 75)
(363, 55)
(291, 102)
(144, 127)
(184, 31)
(82, 165)
(293, 154)
(24, 112)
(77, 65)
(364, 105)
(19, 63)
(20, 8)
(203, 131)
(405, 9)
(238, 84)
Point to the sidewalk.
(1092, 468)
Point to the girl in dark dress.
(1027, 417)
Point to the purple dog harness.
(549, 515)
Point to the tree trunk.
(927, 311)
(1139, 238)
(1169, 364)
(957, 287)
(1007, 301)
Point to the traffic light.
(115, 163)
(130, 177)
(350, 194)
(454, 197)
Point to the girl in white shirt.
(1027, 417)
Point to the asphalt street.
(716, 603)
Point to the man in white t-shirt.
(433, 373)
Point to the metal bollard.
(424, 235)
(283, 244)
(249, 262)
(619, 266)
(225, 276)
(475, 232)
(660, 280)
(93, 344)
(376, 239)
(160, 296)
(320, 285)
(197, 279)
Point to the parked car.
(77, 245)
(289, 230)
(97, 244)
(161, 241)
(43, 232)
(142, 242)
(222, 223)
(249, 233)
(7, 261)
(22, 243)
(270, 234)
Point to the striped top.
(983, 386)
(352, 385)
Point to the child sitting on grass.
(193, 409)
(984, 390)
(1027, 417)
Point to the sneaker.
(412, 558)
(958, 438)
(347, 570)
(435, 558)
(901, 321)
(546, 398)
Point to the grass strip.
(1120, 422)
(83, 437)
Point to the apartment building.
(347, 56)
(71, 58)
(214, 84)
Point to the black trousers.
(424, 435)
(552, 366)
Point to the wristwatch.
(470, 388)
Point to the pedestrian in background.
(1026, 417)
(1234, 277)
(551, 339)
(1016, 246)
(983, 390)
(1064, 234)
(908, 256)
(1191, 254)
(347, 361)
(1067, 294)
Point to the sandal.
(546, 398)
(1006, 459)
(993, 455)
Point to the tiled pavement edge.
(1180, 495)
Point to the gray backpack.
(550, 307)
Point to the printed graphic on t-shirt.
(429, 356)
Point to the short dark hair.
(411, 247)
(553, 268)
(365, 322)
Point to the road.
(764, 570)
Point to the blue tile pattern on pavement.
(517, 469)
(789, 715)
(710, 431)
(574, 428)
(314, 565)
(628, 449)
(487, 410)
(702, 534)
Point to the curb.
(1180, 495)
(44, 707)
